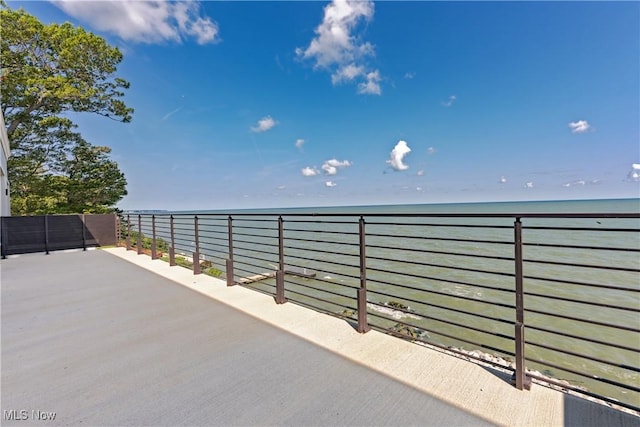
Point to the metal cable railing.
(468, 283)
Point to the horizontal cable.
(583, 356)
(596, 304)
(443, 307)
(426, 251)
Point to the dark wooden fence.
(44, 233)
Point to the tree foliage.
(47, 72)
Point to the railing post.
(229, 273)
(172, 251)
(139, 243)
(154, 254)
(280, 299)
(521, 380)
(363, 325)
(84, 237)
(128, 232)
(46, 235)
(196, 253)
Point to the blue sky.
(283, 104)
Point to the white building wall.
(5, 201)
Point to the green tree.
(46, 72)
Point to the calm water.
(411, 271)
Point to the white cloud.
(420, 172)
(338, 49)
(281, 187)
(503, 180)
(372, 85)
(409, 75)
(264, 124)
(528, 184)
(330, 184)
(575, 183)
(309, 171)
(347, 73)
(145, 21)
(432, 150)
(397, 156)
(581, 126)
(450, 101)
(330, 167)
(634, 173)
(299, 143)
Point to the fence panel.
(44, 233)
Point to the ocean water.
(457, 276)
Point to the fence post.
(280, 299)
(521, 380)
(128, 232)
(172, 251)
(3, 242)
(46, 235)
(139, 243)
(363, 326)
(154, 254)
(84, 237)
(116, 219)
(229, 273)
(196, 254)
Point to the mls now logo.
(15, 415)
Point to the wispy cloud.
(145, 21)
(409, 75)
(581, 126)
(420, 172)
(450, 101)
(338, 48)
(330, 184)
(397, 155)
(528, 184)
(299, 143)
(581, 183)
(170, 113)
(309, 171)
(432, 150)
(264, 124)
(503, 180)
(330, 167)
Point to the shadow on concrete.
(579, 412)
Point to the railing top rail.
(613, 215)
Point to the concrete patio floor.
(109, 337)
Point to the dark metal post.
(84, 237)
(139, 243)
(116, 219)
(196, 253)
(172, 251)
(46, 235)
(363, 326)
(280, 299)
(3, 243)
(521, 380)
(154, 254)
(230, 280)
(128, 232)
